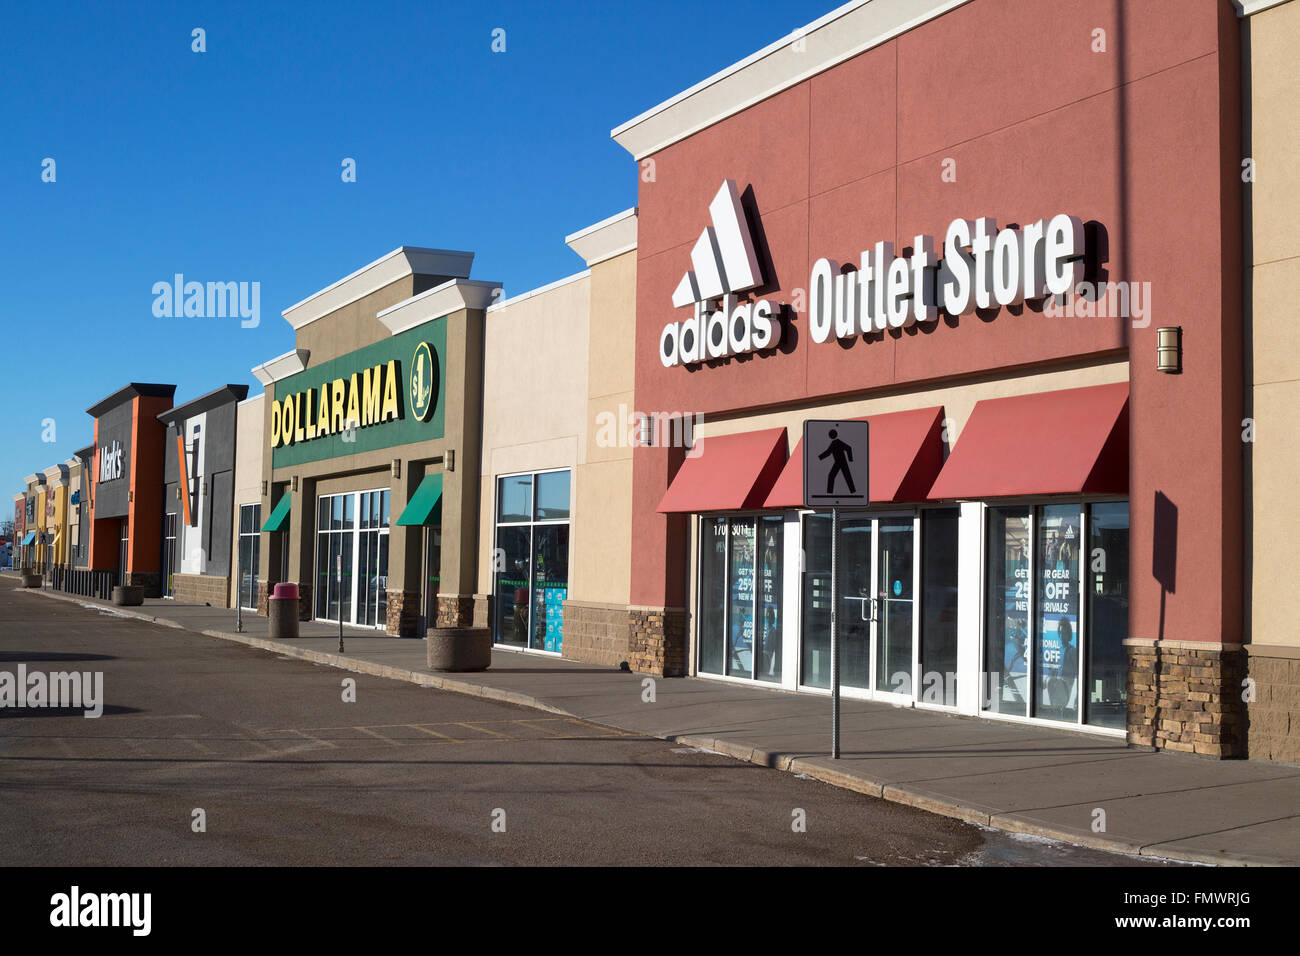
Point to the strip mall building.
(1050, 283)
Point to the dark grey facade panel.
(170, 473)
(221, 493)
(111, 497)
(219, 445)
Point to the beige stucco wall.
(604, 565)
(249, 423)
(1273, 353)
(535, 366)
(356, 324)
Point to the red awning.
(729, 472)
(1068, 442)
(906, 452)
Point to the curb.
(784, 762)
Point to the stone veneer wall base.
(403, 614)
(657, 640)
(1186, 697)
(1274, 713)
(200, 589)
(596, 633)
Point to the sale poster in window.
(1058, 613)
(741, 636)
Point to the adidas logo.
(723, 263)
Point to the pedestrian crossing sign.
(835, 472)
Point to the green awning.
(279, 515)
(31, 537)
(425, 506)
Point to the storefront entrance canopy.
(425, 506)
(279, 514)
(727, 473)
(1068, 442)
(906, 452)
(31, 537)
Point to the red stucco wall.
(1142, 140)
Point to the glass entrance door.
(169, 555)
(352, 558)
(123, 548)
(877, 620)
(895, 605)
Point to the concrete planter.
(459, 648)
(31, 579)
(282, 617)
(128, 596)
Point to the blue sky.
(225, 165)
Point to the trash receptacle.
(282, 610)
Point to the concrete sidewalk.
(1018, 778)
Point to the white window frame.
(530, 524)
(256, 535)
(1033, 503)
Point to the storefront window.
(250, 525)
(741, 614)
(939, 530)
(713, 590)
(1056, 574)
(771, 538)
(815, 645)
(512, 586)
(1006, 629)
(532, 578)
(550, 585)
(740, 588)
(1107, 562)
(1076, 647)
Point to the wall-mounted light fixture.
(178, 492)
(130, 496)
(1169, 349)
(646, 430)
(397, 468)
(264, 489)
(449, 460)
(203, 487)
(295, 483)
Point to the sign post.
(338, 567)
(835, 475)
(239, 592)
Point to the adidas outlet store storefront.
(1054, 519)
